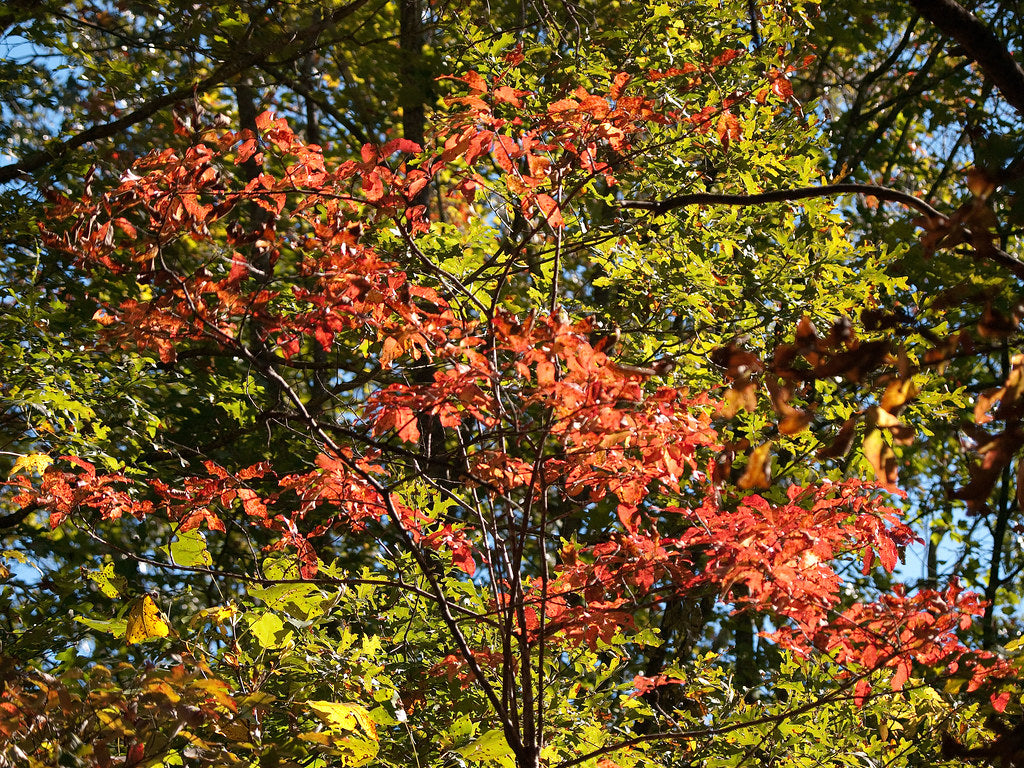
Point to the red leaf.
(887, 553)
(860, 692)
(252, 503)
(549, 207)
(781, 86)
(400, 145)
(1000, 700)
(199, 516)
(478, 145)
(629, 516)
(265, 121)
(505, 152)
(618, 83)
(247, 149)
(462, 558)
(899, 679)
(869, 560)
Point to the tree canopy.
(520, 384)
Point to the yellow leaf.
(144, 621)
(345, 717)
(34, 463)
(354, 750)
(318, 737)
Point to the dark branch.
(782, 196)
(980, 44)
(14, 518)
(658, 207)
(222, 74)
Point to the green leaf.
(189, 549)
(269, 631)
(108, 582)
(115, 627)
(491, 749)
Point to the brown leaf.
(943, 352)
(995, 325)
(984, 403)
(758, 472)
(1010, 403)
(897, 395)
(937, 233)
(783, 358)
(855, 362)
(841, 334)
(796, 421)
(881, 457)
(902, 434)
(1020, 483)
(742, 395)
(972, 437)
(806, 333)
(844, 440)
(995, 456)
(879, 417)
(980, 183)
(903, 363)
(980, 218)
(722, 466)
(737, 362)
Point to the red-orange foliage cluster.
(549, 412)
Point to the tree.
(420, 449)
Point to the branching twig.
(980, 43)
(782, 196)
(220, 75)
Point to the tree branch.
(979, 43)
(225, 72)
(14, 518)
(658, 207)
(782, 196)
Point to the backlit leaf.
(144, 621)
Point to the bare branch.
(658, 207)
(782, 196)
(225, 72)
(980, 43)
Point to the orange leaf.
(758, 472)
(405, 422)
(898, 394)
(545, 373)
(505, 95)
(264, 121)
(728, 128)
(618, 83)
(549, 207)
(881, 457)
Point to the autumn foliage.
(470, 500)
